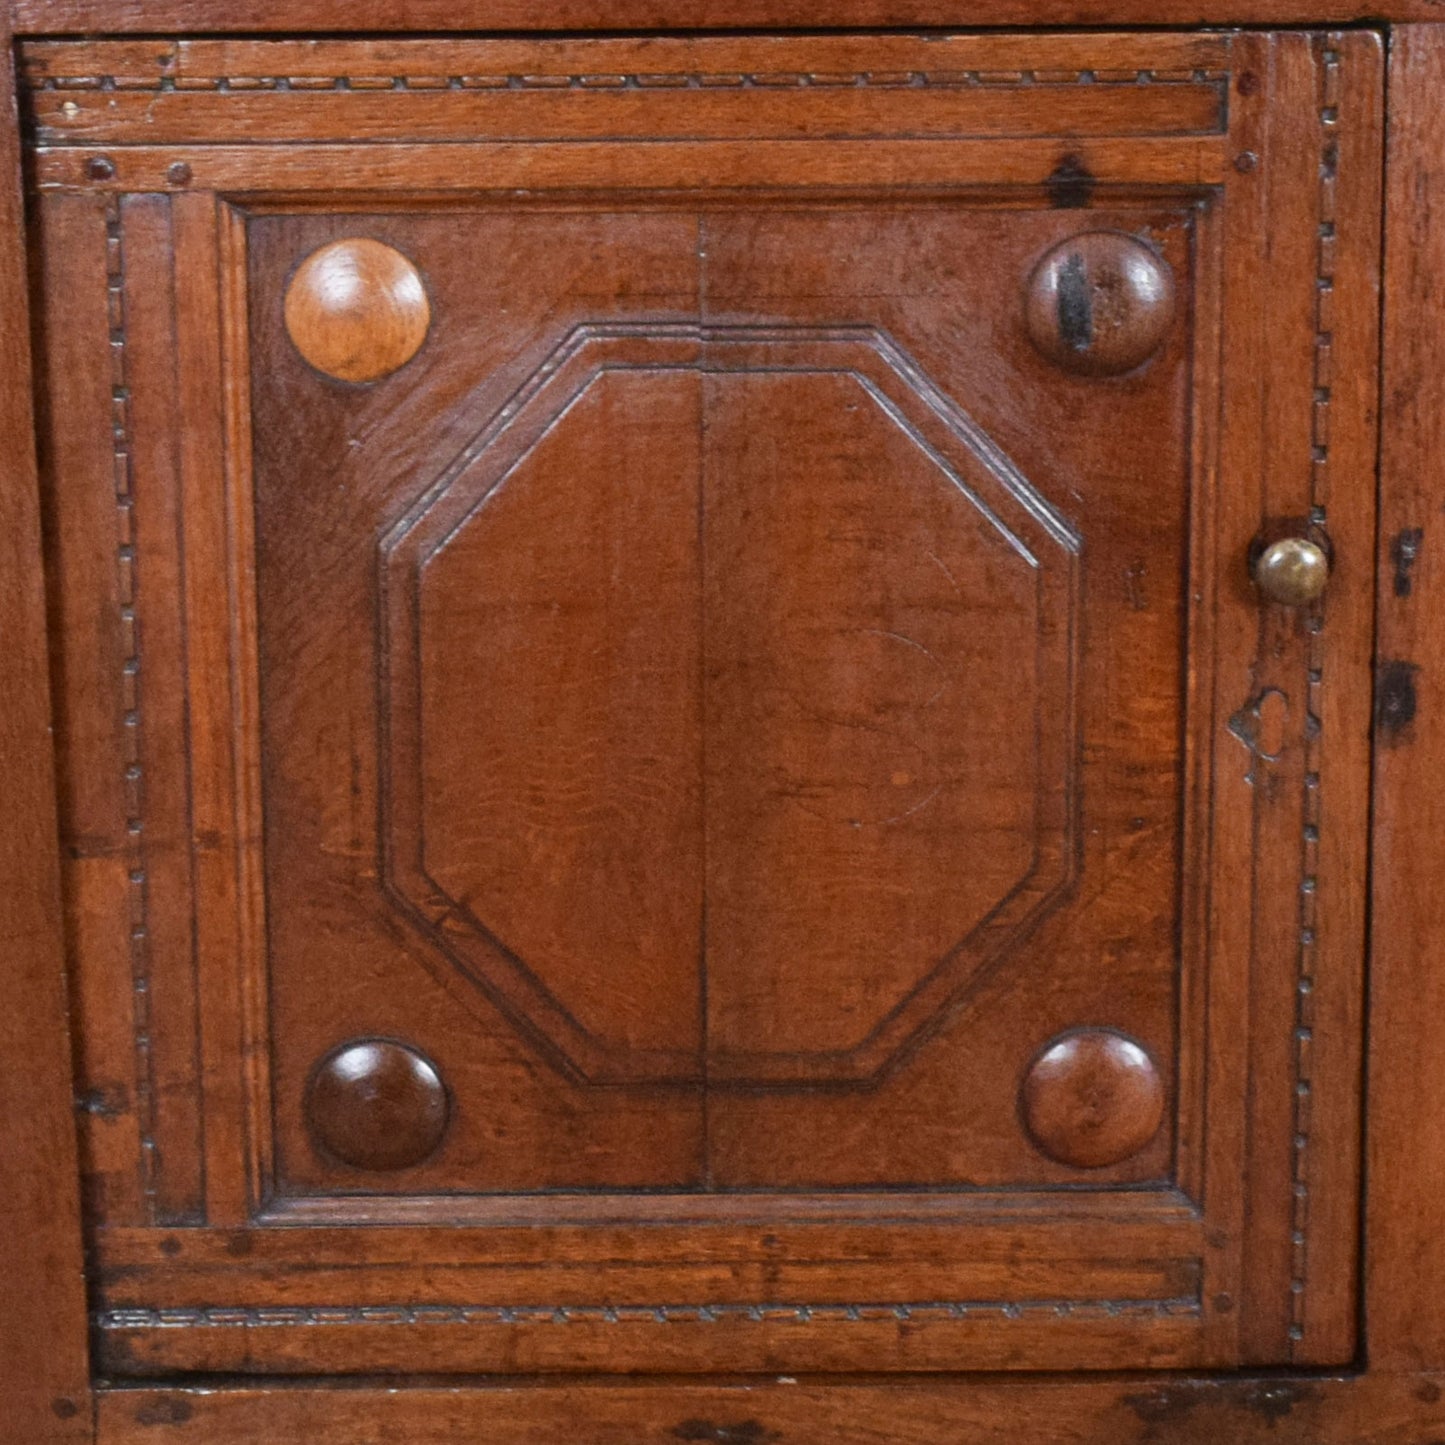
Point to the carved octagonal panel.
(797, 771)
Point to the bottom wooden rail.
(1366, 1409)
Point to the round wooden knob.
(377, 1105)
(1092, 1098)
(1292, 571)
(1100, 304)
(357, 310)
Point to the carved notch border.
(260, 1317)
(1329, 120)
(132, 772)
(36, 80)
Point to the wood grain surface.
(44, 1371)
(1244, 1410)
(48, 17)
(726, 703)
(1407, 1067)
(616, 1169)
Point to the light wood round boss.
(357, 309)
(1093, 1098)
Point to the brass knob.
(1292, 571)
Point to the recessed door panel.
(677, 765)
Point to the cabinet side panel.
(42, 1343)
(1406, 1154)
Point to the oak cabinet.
(712, 704)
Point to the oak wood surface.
(1243, 1410)
(620, 714)
(1406, 1220)
(84, 17)
(200, 64)
(188, 1266)
(44, 1370)
(1331, 446)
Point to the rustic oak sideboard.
(723, 722)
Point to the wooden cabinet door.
(670, 758)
